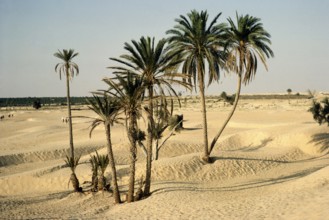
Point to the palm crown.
(154, 63)
(106, 108)
(67, 67)
(128, 91)
(197, 43)
(247, 40)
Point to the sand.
(272, 162)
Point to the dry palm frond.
(311, 94)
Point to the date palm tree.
(156, 66)
(128, 90)
(69, 68)
(199, 43)
(107, 110)
(247, 42)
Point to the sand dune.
(272, 162)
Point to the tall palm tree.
(156, 66)
(107, 110)
(199, 44)
(69, 68)
(247, 42)
(128, 90)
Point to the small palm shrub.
(103, 162)
(94, 169)
(320, 111)
(99, 164)
(73, 163)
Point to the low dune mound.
(178, 148)
(37, 156)
(309, 139)
(191, 168)
(245, 141)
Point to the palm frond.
(72, 162)
(247, 41)
(67, 66)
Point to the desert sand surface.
(272, 162)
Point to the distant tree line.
(44, 101)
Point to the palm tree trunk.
(156, 150)
(204, 116)
(237, 96)
(132, 139)
(69, 113)
(116, 192)
(149, 143)
(101, 182)
(75, 182)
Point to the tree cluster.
(144, 78)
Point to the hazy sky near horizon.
(31, 31)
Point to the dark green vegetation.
(44, 101)
(320, 111)
(77, 102)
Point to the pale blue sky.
(31, 31)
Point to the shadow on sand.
(189, 186)
(321, 139)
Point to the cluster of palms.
(145, 77)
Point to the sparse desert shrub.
(320, 111)
(227, 98)
(37, 104)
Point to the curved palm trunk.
(237, 96)
(69, 114)
(149, 144)
(116, 192)
(131, 135)
(204, 116)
